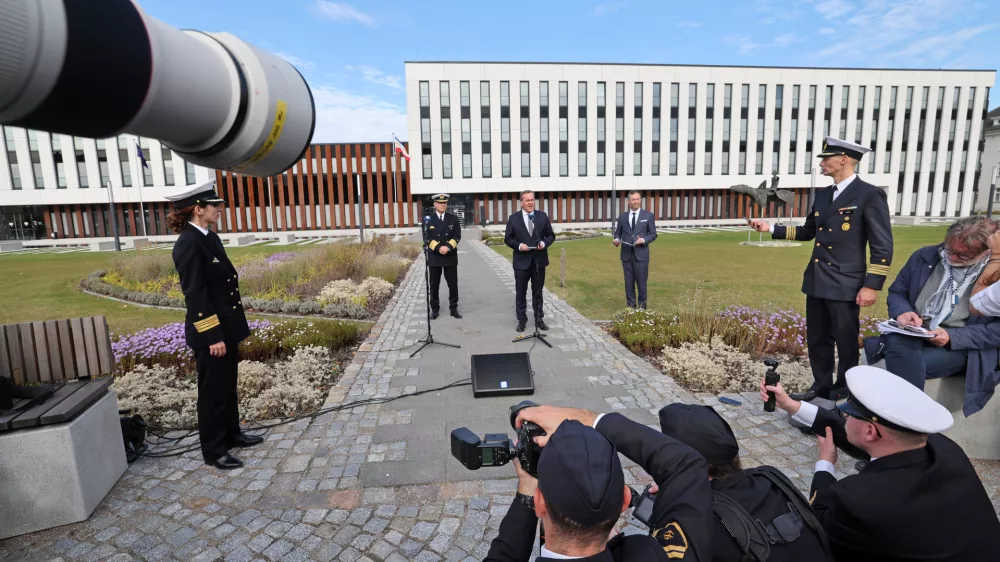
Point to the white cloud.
(785, 40)
(689, 24)
(608, 8)
(301, 64)
(827, 31)
(744, 43)
(343, 116)
(342, 12)
(376, 76)
(833, 9)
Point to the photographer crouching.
(580, 492)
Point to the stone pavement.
(377, 482)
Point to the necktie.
(633, 220)
(836, 192)
(531, 224)
(441, 217)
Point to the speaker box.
(502, 374)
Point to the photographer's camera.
(496, 449)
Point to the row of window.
(16, 166)
(796, 153)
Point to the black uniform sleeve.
(194, 284)
(682, 511)
(879, 229)
(802, 233)
(458, 234)
(516, 537)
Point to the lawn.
(706, 271)
(46, 287)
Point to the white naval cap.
(835, 147)
(198, 194)
(879, 396)
(441, 198)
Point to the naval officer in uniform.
(442, 233)
(918, 499)
(215, 323)
(845, 218)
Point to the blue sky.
(352, 53)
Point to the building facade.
(990, 160)
(684, 134)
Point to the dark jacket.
(517, 234)
(842, 228)
(645, 228)
(438, 232)
(980, 336)
(920, 505)
(211, 290)
(681, 513)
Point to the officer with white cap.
(918, 499)
(845, 218)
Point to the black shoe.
(434, 315)
(226, 462)
(244, 440)
(838, 393)
(520, 326)
(455, 313)
(541, 325)
(806, 396)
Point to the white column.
(951, 202)
(971, 157)
(897, 144)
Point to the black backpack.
(755, 538)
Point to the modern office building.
(684, 134)
(990, 160)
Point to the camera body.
(496, 449)
(642, 504)
(771, 378)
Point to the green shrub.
(309, 307)
(290, 307)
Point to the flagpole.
(142, 179)
(392, 169)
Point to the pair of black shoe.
(541, 325)
(835, 394)
(454, 313)
(229, 462)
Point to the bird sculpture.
(762, 194)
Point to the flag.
(141, 155)
(399, 148)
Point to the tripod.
(537, 334)
(429, 338)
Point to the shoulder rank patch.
(673, 541)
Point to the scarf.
(949, 304)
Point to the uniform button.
(817, 244)
(828, 263)
(829, 247)
(230, 294)
(234, 308)
(817, 261)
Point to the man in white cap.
(442, 233)
(845, 218)
(918, 499)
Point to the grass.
(709, 271)
(46, 287)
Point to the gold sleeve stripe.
(813, 498)
(790, 233)
(207, 324)
(453, 243)
(433, 244)
(878, 269)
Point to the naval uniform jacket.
(211, 290)
(841, 229)
(437, 232)
(920, 505)
(679, 525)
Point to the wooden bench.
(61, 435)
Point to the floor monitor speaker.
(502, 374)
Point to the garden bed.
(724, 351)
(352, 281)
(493, 240)
(286, 369)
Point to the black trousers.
(636, 273)
(218, 407)
(450, 277)
(831, 324)
(522, 277)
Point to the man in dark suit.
(918, 499)
(845, 218)
(634, 231)
(442, 232)
(580, 492)
(529, 234)
(215, 322)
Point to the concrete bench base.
(58, 474)
(103, 246)
(243, 240)
(140, 243)
(979, 434)
(11, 246)
(286, 238)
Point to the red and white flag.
(399, 148)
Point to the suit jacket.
(438, 232)
(517, 234)
(925, 504)
(211, 290)
(842, 228)
(645, 228)
(679, 525)
(980, 336)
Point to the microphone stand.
(429, 338)
(537, 334)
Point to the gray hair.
(971, 232)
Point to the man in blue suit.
(635, 230)
(529, 234)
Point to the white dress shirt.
(440, 217)
(203, 231)
(987, 301)
(838, 189)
